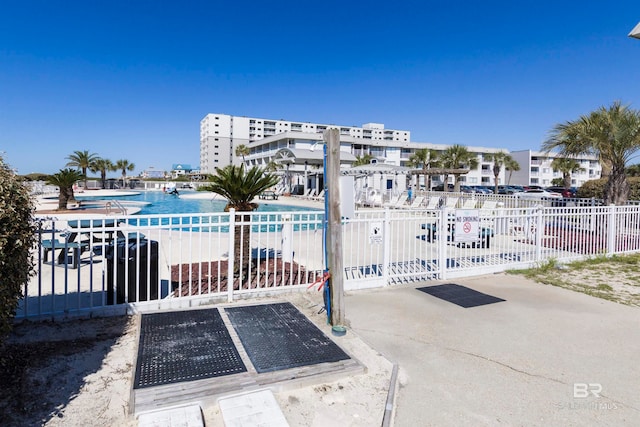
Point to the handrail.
(117, 204)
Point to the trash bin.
(137, 262)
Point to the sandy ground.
(87, 379)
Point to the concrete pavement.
(529, 360)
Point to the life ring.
(371, 193)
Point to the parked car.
(507, 189)
(537, 194)
(467, 189)
(440, 187)
(482, 189)
(566, 192)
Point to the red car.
(566, 192)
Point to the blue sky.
(132, 79)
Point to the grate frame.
(278, 336)
(184, 345)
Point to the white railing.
(151, 262)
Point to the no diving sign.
(467, 225)
(375, 232)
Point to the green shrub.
(17, 237)
(595, 188)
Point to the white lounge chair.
(433, 203)
(374, 198)
(451, 202)
(306, 194)
(417, 202)
(398, 202)
(489, 204)
(469, 204)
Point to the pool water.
(160, 203)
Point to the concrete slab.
(252, 409)
(545, 356)
(185, 416)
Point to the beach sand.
(86, 379)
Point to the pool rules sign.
(467, 225)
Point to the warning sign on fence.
(467, 225)
(375, 233)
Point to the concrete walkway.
(526, 361)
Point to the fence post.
(539, 232)
(287, 239)
(231, 257)
(442, 234)
(611, 230)
(386, 245)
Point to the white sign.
(375, 233)
(467, 225)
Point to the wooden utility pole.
(333, 236)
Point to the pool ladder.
(115, 203)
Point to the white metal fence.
(149, 262)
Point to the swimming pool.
(160, 203)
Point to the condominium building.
(535, 169)
(292, 146)
(222, 134)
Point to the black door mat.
(184, 346)
(460, 295)
(278, 336)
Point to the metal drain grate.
(278, 336)
(460, 295)
(184, 346)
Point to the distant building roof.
(181, 166)
(154, 174)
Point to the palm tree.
(500, 159)
(273, 166)
(458, 157)
(82, 160)
(567, 166)
(103, 166)
(611, 134)
(242, 150)
(512, 166)
(426, 159)
(124, 166)
(365, 159)
(64, 180)
(633, 170)
(240, 188)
